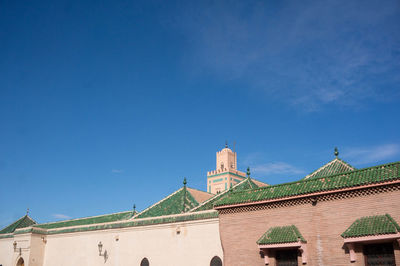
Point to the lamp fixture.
(100, 246)
(105, 254)
(17, 249)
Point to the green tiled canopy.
(279, 235)
(366, 176)
(372, 225)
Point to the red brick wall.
(321, 225)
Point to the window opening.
(379, 254)
(145, 262)
(286, 257)
(216, 261)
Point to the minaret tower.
(226, 173)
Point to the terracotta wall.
(321, 225)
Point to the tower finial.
(248, 172)
(226, 144)
(134, 209)
(336, 152)
(184, 181)
(27, 211)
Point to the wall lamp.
(105, 255)
(17, 249)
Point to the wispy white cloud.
(365, 155)
(117, 171)
(276, 168)
(61, 216)
(307, 55)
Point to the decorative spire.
(184, 195)
(336, 152)
(226, 144)
(134, 209)
(27, 212)
(248, 172)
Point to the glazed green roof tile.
(336, 166)
(372, 225)
(24, 221)
(178, 202)
(118, 224)
(281, 234)
(120, 216)
(245, 184)
(140, 222)
(366, 176)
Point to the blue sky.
(108, 104)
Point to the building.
(337, 215)
(225, 174)
(180, 229)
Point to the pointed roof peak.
(336, 166)
(24, 221)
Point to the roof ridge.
(337, 159)
(199, 190)
(216, 195)
(87, 217)
(14, 225)
(259, 181)
(330, 176)
(33, 220)
(346, 163)
(158, 202)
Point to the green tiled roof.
(140, 222)
(178, 202)
(120, 216)
(371, 175)
(22, 222)
(120, 224)
(245, 184)
(336, 166)
(372, 225)
(279, 235)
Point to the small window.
(216, 261)
(145, 262)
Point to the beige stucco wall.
(196, 244)
(6, 251)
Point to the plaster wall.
(6, 251)
(321, 225)
(195, 244)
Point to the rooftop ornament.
(184, 195)
(226, 144)
(248, 172)
(336, 152)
